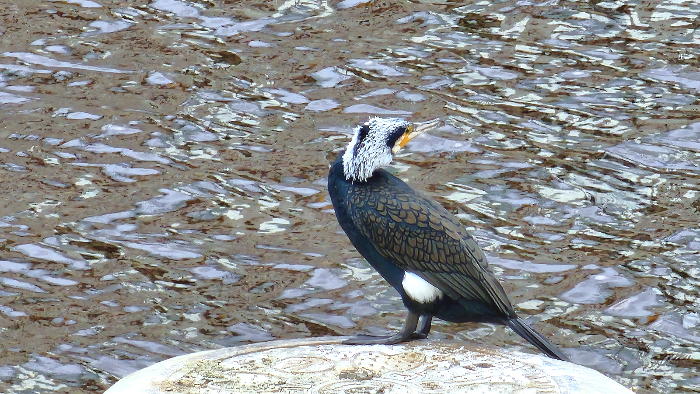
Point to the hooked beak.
(412, 132)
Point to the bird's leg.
(404, 335)
(423, 328)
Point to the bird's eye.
(395, 136)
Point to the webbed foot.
(378, 340)
(406, 334)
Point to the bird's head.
(375, 143)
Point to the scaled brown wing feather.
(420, 236)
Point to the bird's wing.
(422, 237)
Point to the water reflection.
(164, 170)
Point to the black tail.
(521, 328)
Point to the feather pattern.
(421, 237)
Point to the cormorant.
(420, 248)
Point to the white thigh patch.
(418, 289)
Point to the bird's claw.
(419, 335)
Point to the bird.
(416, 245)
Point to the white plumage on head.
(370, 147)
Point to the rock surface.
(324, 365)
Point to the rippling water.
(163, 166)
